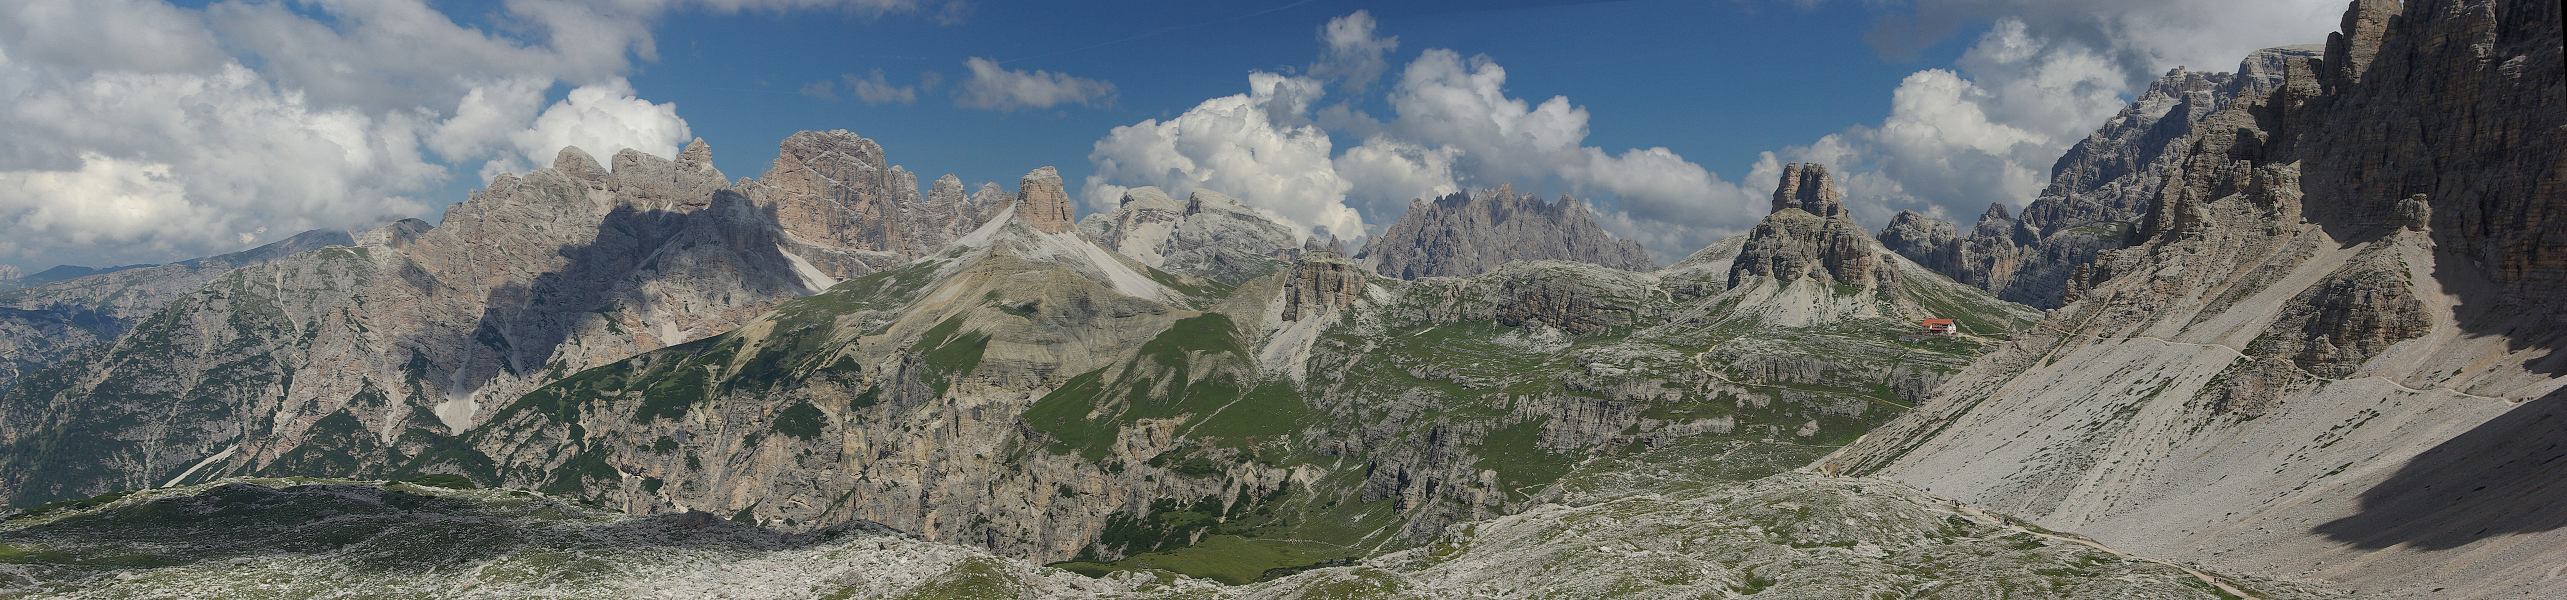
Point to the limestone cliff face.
(1208, 235)
(372, 352)
(1321, 282)
(1808, 187)
(2332, 352)
(2099, 190)
(1466, 234)
(838, 189)
(1043, 203)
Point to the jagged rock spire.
(1042, 202)
(1807, 186)
(1818, 241)
(697, 157)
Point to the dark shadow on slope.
(2507, 476)
(523, 325)
(373, 529)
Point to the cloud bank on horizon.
(142, 131)
(145, 132)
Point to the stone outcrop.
(1467, 234)
(1320, 282)
(1808, 187)
(1810, 236)
(1208, 235)
(2352, 316)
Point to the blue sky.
(1718, 82)
(146, 130)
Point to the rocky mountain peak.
(1208, 200)
(2100, 190)
(1809, 188)
(1996, 213)
(1816, 241)
(1472, 233)
(394, 234)
(946, 191)
(649, 182)
(1323, 242)
(1042, 202)
(839, 189)
(2349, 52)
(1927, 240)
(1996, 221)
(577, 164)
(697, 157)
(1208, 235)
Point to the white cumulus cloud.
(141, 165)
(144, 131)
(1234, 145)
(599, 119)
(1384, 173)
(1443, 100)
(1453, 125)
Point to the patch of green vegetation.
(1272, 411)
(331, 448)
(1977, 315)
(575, 475)
(1207, 333)
(1086, 414)
(1523, 466)
(950, 352)
(1168, 524)
(871, 396)
(1228, 559)
(672, 392)
(1062, 415)
(800, 421)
